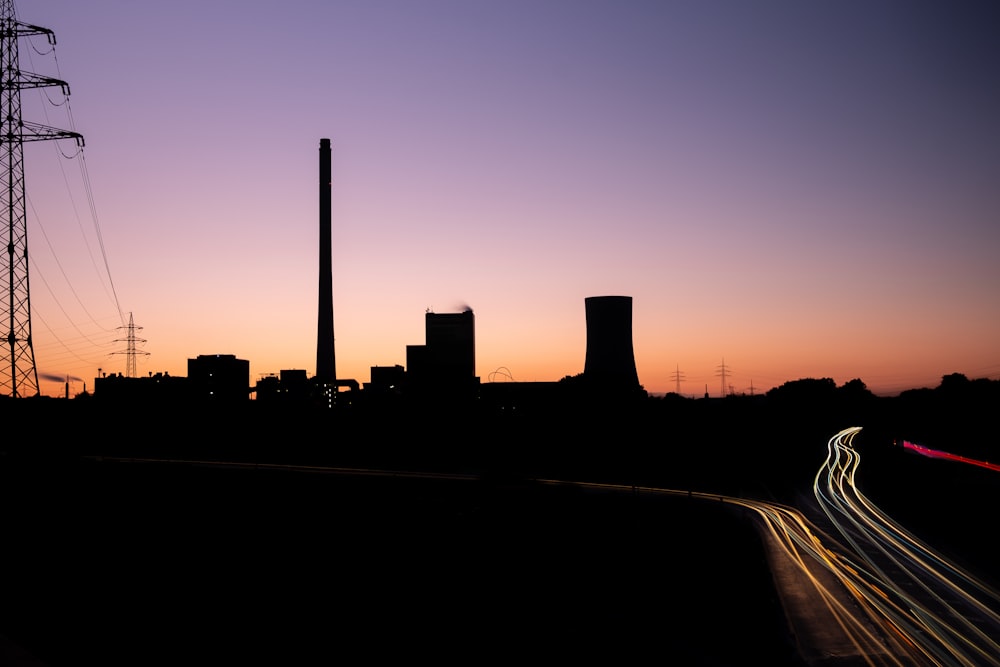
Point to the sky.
(786, 189)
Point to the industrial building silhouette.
(445, 365)
(326, 359)
(442, 370)
(219, 377)
(610, 359)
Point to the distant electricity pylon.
(678, 376)
(18, 375)
(724, 372)
(130, 350)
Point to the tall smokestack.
(326, 365)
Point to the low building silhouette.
(156, 388)
(289, 386)
(220, 378)
(386, 380)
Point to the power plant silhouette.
(439, 372)
(326, 359)
(445, 366)
(610, 357)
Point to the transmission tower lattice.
(678, 376)
(724, 372)
(18, 375)
(130, 349)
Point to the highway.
(858, 589)
(934, 610)
(864, 590)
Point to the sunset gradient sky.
(794, 189)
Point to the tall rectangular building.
(445, 365)
(451, 344)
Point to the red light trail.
(936, 454)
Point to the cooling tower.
(610, 358)
(326, 366)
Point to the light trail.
(862, 633)
(937, 454)
(946, 614)
(893, 599)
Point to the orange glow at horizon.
(741, 174)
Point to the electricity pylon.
(130, 350)
(18, 375)
(678, 376)
(724, 372)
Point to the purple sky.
(796, 189)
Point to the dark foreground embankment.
(141, 564)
